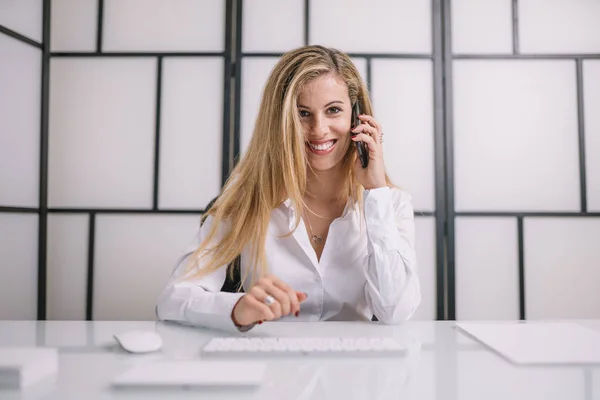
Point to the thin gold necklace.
(315, 238)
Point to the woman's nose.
(320, 127)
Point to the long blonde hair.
(273, 168)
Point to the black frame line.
(156, 171)
(89, 305)
(227, 76)
(439, 157)
(99, 26)
(515, 26)
(581, 134)
(9, 32)
(449, 159)
(306, 22)
(521, 252)
(138, 54)
(521, 56)
(550, 214)
(239, 55)
(420, 56)
(43, 178)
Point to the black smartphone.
(361, 147)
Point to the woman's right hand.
(251, 307)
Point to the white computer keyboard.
(327, 346)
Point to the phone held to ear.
(361, 147)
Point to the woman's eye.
(334, 110)
(304, 113)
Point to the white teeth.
(323, 146)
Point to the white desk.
(442, 363)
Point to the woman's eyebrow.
(326, 105)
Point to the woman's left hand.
(369, 132)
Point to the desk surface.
(442, 363)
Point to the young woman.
(320, 237)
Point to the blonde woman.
(320, 236)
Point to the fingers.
(263, 312)
(362, 137)
(291, 297)
(371, 121)
(260, 294)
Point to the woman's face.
(325, 111)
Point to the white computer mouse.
(139, 341)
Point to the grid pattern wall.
(525, 171)
(122, 119)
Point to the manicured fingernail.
(260, 322)
(297, 313)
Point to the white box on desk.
(23, 366)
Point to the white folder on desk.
(538, 342)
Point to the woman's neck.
(324, 187)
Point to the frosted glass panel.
(403, 105)
(22, 16)
(101, 149)
(272, 25)
(559, 26)
(191, 132)
(591, 100)
(426, 258)
(164, 25)
(255, 72)
(67, 266)
(18, 266)
(74, 25)
(487, 268)
(515, 136)
(20, 81)
(561, 267)
(361, 66)
(483, 374)
(129, 278)
(373, 26)
(481, 26)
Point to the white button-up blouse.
(368, 267)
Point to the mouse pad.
(538, 342)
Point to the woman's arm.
(198, 301)
(392, 288)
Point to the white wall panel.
(133, 260)
(559, 26)
(272, 25)
(591, 106)
(67, 263)
(481, 26)
(515, 136)
(164, 25)
(255, 72)
(19, 265)
(20, 81)
(403, 104)
(74, 25)
(562, 267)
(487, 268)
(372, 26)
(101, 148)
(23, 17)
(426, 258)
(191, 132)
